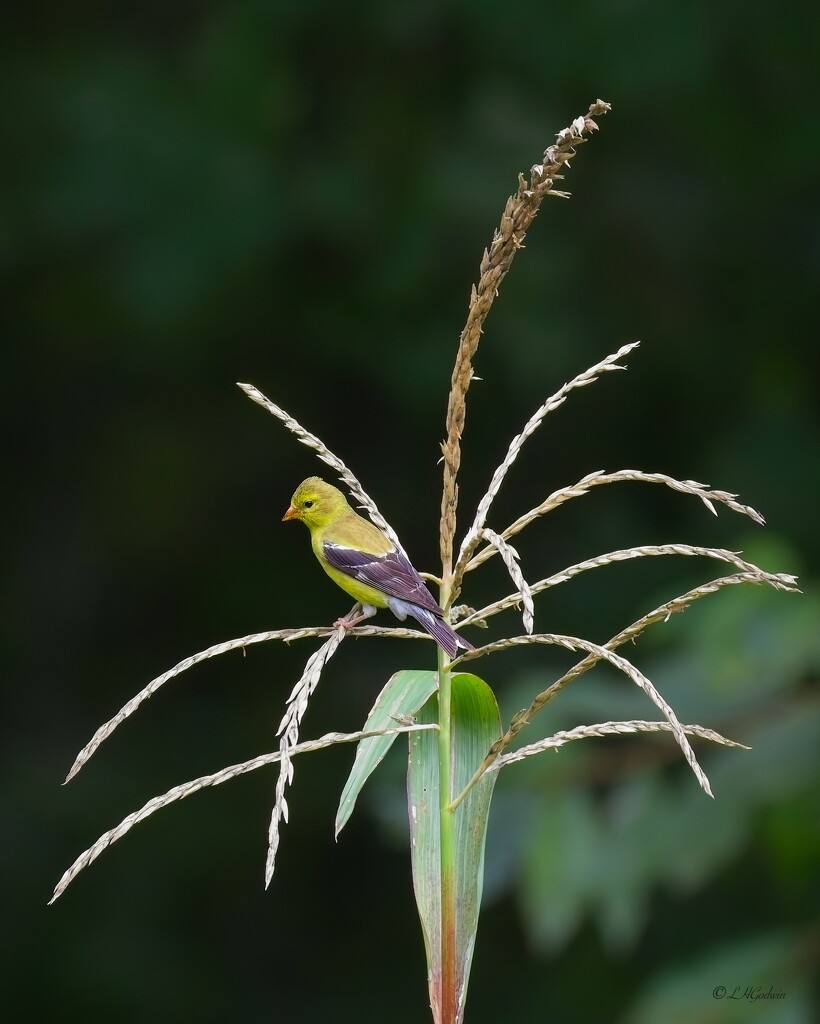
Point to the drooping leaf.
(404, 693)
(448, 895)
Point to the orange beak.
(292, 513)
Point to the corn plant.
(457, 742)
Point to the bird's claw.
(356, 615)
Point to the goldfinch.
(365, 563)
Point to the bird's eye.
(307, 504)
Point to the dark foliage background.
(297, 194)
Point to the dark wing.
(392, 574)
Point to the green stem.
(447, 832)
(477, 776)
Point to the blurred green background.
(297, 195)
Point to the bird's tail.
(445, 637)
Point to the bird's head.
(316, 503)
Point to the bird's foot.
(348, 621)
(356, 615)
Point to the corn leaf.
(475, 725)
(403, 695)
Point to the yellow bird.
(366, 564)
